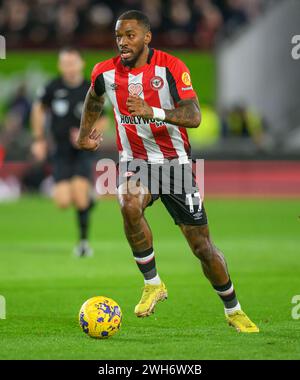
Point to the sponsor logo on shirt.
(186, 79)
(135, 89)
(186, 88)
(156, 83)
(139, 120)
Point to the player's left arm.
(187, 113)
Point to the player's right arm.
(90, 132)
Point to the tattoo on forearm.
(94, 103)
(187, 114)
(92, 108)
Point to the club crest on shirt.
(135, 89)
(156, 83)
(186, 79)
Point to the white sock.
(233, 309)
(154, 281)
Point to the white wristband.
(158, 113)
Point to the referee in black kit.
(62, 99)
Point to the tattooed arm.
(187, 113)
(90, 134)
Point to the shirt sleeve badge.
(186, 79)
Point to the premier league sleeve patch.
(186, 79)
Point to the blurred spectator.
(176, 23)
(209, 132)
(100, 18)
(16, 21)
(235, 14)
(20, 105)
(210, 21)
(66, 23)
(243, 123)
(179, 24)
(14, 136)
(154, 11)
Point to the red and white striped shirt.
(162, 82)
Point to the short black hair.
(70, 49)
(136, 15)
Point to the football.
(100, 317)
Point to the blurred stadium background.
(239, 54)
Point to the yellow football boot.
(151, 295)
(241, 322)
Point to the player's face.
(132, 38)
(70, 65)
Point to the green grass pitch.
(44, 286)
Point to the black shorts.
(67, 166)
(175, 185)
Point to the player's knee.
(62, 203)
(203, 249)
(131, 209)
(80, 202)
(62, 196)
